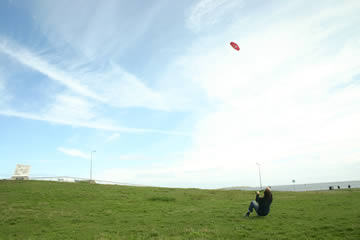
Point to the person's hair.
(267, 194)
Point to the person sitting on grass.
(261, 205)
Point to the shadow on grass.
(162, 199)
(257, 218)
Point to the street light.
(293, 181)
(91, 164)
(258, 164)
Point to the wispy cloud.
(31, 60)
(80, 104)
(112, 137)
(74, 152)
(289, 99)
(109, 84)
(206, 13)
(275, 99)
(276, 102)
(123, 89)
(100, 29)
(70, 108)
(105, 125)
(4, 95)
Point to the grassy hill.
(51, 210)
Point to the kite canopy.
(235, 46)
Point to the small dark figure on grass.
(261, 205)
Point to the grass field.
(52, 210)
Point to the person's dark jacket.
(264, 205)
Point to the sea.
(330, 186)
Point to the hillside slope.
(52, 210)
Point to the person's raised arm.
(257, 196)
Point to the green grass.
(51, 210)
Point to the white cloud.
(70, 108)
(101, 124)
(109, 85)
(277, 97)
(79, 112)
(5, 96)
(100, 29)
(285, 100)
(74, 152)
(206, 13)
(37, 63)
(112, 137)
(89, 87)
(123, 89)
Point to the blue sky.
(155, 88)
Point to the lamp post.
(258, 164)
(293, 181)
(91, 164)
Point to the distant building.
(21, 172)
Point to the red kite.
(235, 46)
